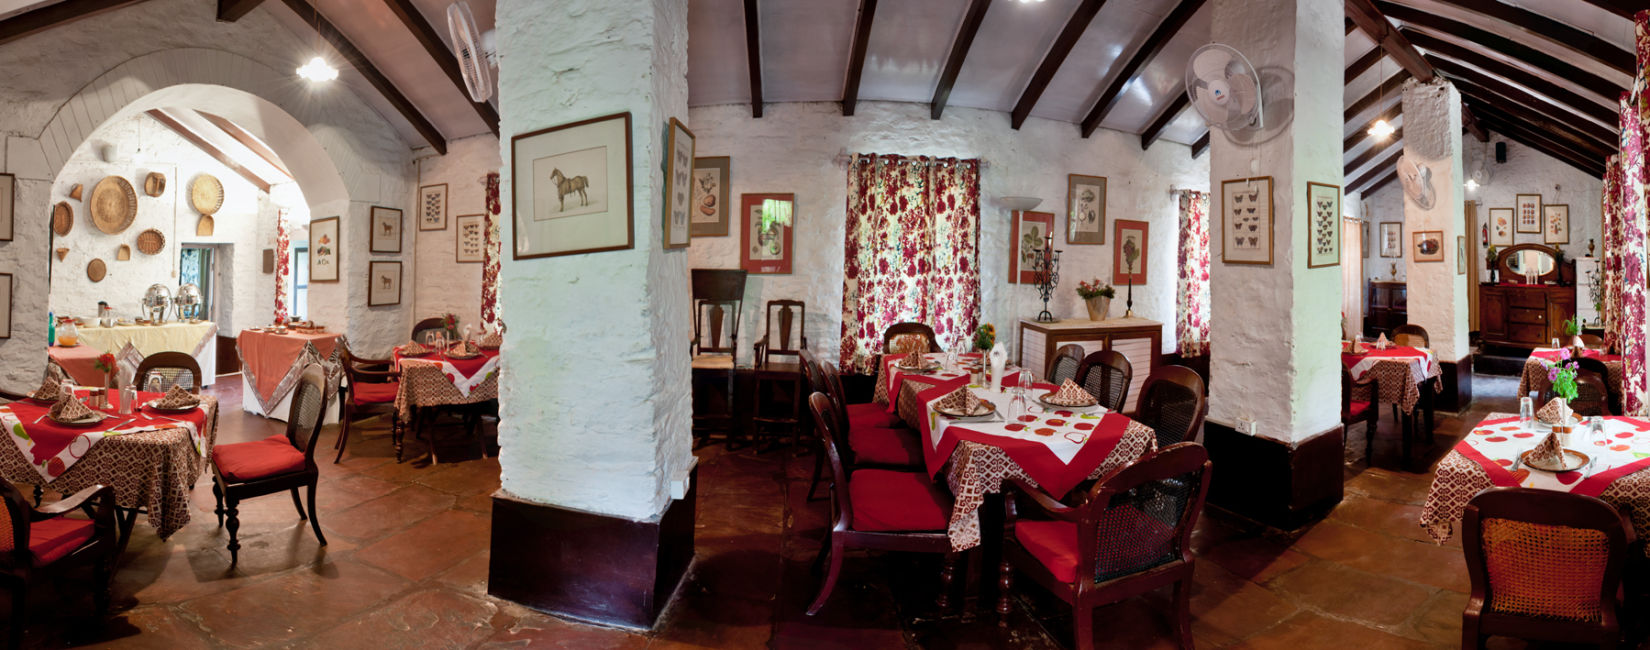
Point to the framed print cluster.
(432, 207)
(1392, 239)
(1429, 245)
(767, 224)
(1246, 220)
(1501, 226)
(1555, 223)
(470, 235)
(709, 217)
(1323, 234)
(572, 189)
(383, 283)
(386, 230)
(323, 250)
(1128, 265)
(1085, 209)
(678, 185)
(1528, 207)
(1030, 234)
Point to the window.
(195, 267)
(300, 282)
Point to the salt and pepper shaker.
(128, 399)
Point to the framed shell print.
(1501, 226)
(1246, 220)
(1528, 217)
(1323, 232)
(767, 221)
(1555, 223)
(324, 250)
(1085, 209)
(432, 207)
(709, 216)
(386, 230)
(1031, 232)
(678, 185)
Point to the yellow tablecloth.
(187, 338)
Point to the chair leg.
(1470, 638)
(343, 436)
(299, 504)
(314, 520)
(834, 553)
(38, 493)
(234, 518)
(1183, 611)
(397, 431)
(948, 575)
(102, 574)
(1005, 584)
(19, 598)
(1082, 623)
(217, 493)
(819, 468)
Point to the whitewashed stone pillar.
(1437, 293)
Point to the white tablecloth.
(194, 339)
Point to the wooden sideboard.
(1139, 340)
(1386, 308)
(1523, 315)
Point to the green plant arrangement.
(985, 337)
(1572, 326)
(1563, 376)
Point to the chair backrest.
(1411, 335)
(173, 369)
(1592, 397)
(1106, 375)
(901, 329)
(784, 330)
(1142, 515)
(811, 369)
(309, 409)
(422, 331)
(1067, 360)
(1349, 386)
(711, 321)
(827, 424)
(14, 530)
(1172, 404)
(832, 388)
(360, 370)
(1602, 369)
(1544, 553)
(1593, 341)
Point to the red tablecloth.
(53, 448)
(267, 358)
(80, 362)
(1398, 370)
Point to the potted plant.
(1490, 256)
(1563, 378)
(1572, 329)
(985, 337)
(1097, 297)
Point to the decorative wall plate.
(113, 205)
(206, 194)
(150, 242)
(96, 269)
(154, 184)
(62, 218)
(123, 253)
(75, 192)
(62, 253)
(205, 226)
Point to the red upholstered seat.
(871, 415)
(884, 446)
(51, 539)
(1054, 543)
(888, 500)
(246, 461)
(1358, 409)
(365, 393)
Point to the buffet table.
(272, 363)
(131, 343)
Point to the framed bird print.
(1129, 263)
(1246, 220)
(432, 207)
(1085, 209)
(1529, 213)
(1555, 220)
(323, 250)
(386, 230)
(1501, 226)
(1323, 234)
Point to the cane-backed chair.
(1601, 369)
(1411, 335)
(1592, 397)
(1173, 404)
(40, 543)
(369, 389)
(1415, 336)
(1593, 341)
(171, 369)
(1107, 375)
(1067, 360)
(898, 330)
(282, 462)
(1361, 402)
(425, 329)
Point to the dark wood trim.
(1364, 63)
(1487, 41)
(753, 55)
(1173, 110)
(1591, 163)
(1466, 78)
(1279, 484)
(232, 10)
(856, 54)
(1201, 145)
(1623, 8)
(1073, 30)
(1457, 379)
(1377, 185)
(1160, 37)
(246, 139)
(1469, 123)
(1358, 134)
(353, 56)
(1599, 137)
(1375, 150)
(426, 36)
(39, 20)
(1580, 41)
(1374, 23)
(959, 52)
(1559, 133)
(1386, 162)
(207, 147)
(1444, 51)
(1391, 87)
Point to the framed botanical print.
(709, 217)
(1501, 226)
(386, 230)
(1392, 239)
(1555, 219)
(1246, 220)
(8, 207)
(5, 302)
(678, 185)
(1085, 209)
(323, 250)
(572, 188)
(1030, 234)
(1323, 233)
(1129, 261)
(383, 283)
(1429, 245)
(1528, 207)
(432, 207)
(767, 224)
(1460, 254)
(469, 236)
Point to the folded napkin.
(492, 340)
(463, 349)
(414, 347)
(178, 398)
(910, 344)
(69, 409)
(1547, 452)
(1382, 343)
(1549, 413)
(962, 400)
(1070, 394)
(1358, 347)
(49, 391)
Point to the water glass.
(1526, 412)
(1016, 408)
(1555, 343)
(153, 384)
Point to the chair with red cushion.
(45, 542)
(1106, 375)
(283, 462)
(874, 437)
(1130, 536)
(879, 509)
(1366, 408)
(370, 389)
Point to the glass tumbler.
(1526, 412)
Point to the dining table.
(436, 378)
(79, 362)
(1399, 371)
(273, 360)
(1542, 359)
(132, 343)
(1618, 458)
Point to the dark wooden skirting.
(229, 359)
(1457, 378)
(588, 566)
(1270, 481)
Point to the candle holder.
(1047, 263)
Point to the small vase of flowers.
(1097, 297)
(1563, 377)
(106, 363)
(985, 337)
(1572, 329)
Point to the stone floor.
(407, 561)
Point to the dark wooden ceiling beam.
(1464, 77)
(1518, 106)
(1376, 150)
(1623, 8)
(1364, 63)
(370, 72)
(1358, 135)
(1386, 162)
(1073, 30)
(427, 37)
(1469, 123)
(207, 147)
(1558, 133)
(39, 20)
(1377, 185)
(1121, 77)
(1554, 145)
(1555, 31)
(1391, 87)
(856, 55)
(1487, 41)
(232, 10)
(1201, 145)
(959, 52)
(753, 55)
(1164, 117)
(1377, 27)
(1581, 161)
(1450, 58)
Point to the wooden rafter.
(959, 52)
(1398, 46)
(1392, 87)
(232, 10)
(753, 55)
(38, 20)
(1164, 117)
(1494, 43)
(1623, 8)
(1552, 143)
(431, 41)
(1519, 102)
(856, 55)
(1376, 150)
(1582, 161)
(1464, 77)
(207, 147)
(1377, 185)
(1201, 145)
(1386, 162)
(1580, 41)
(1364, 63)
(246, 139)
(1558, 133)
(1073, 30)
(1120, 79)
(1361, 132)
(1450, 58)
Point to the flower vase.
(1562, 427)
(1099, 307)
(110, 380)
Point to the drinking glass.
(153, 384)
(1016, 408)
(1555, 343)
(1526, 412)
(1595, 429)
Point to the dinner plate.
(87, 422)
(920, 370)
(1573, 460)
(415, 355)
(1043, 399)
(155, 404)
(990, 410)
(462, 357)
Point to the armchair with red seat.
(875, 437)
(370, 389)
(282, 462)
(46, 541)
(1367, 411)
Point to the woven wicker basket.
(96, 269)
(154, 184)
(113, 205)
(62, 218)
(206, 194)
(150, 242)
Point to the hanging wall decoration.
(96, 270)
(1030, 235)
(1085, 209)
(76, 191)
(1429, 245)
(1129, 261)
(206, 194)
(572, 188)
(678, 185)
(206, 226)
(1501, 226)
(151, 242)
(1460, 254)
(710, 197)
(1246, 221)
(471, 237)
(5, 299)
(432, 207)
(1528, 207)
(1363, 240)
(1555, 219)
(386, 230)
(1392, 239)
(1323, 235)
(62, 218)
(154, 184)
(123, 253)
(767, 221)
(323, 250)
(383, 283)
(113, 205)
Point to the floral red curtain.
(283, 264)
(1625, 210)
(1192, 320)
(490, 255)
(911, 251)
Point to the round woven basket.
(150, 242)
(113, 205)
(154, 184)
(206, 194)
(96, 269)
(62, 218)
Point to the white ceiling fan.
(1224, 88)
(476, 53)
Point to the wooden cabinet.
(1139, 340)
(1523, 315)
(1386, 308)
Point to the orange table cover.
(269, 356)
(80, 362)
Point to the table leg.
(1408, 422)
(991, 548)
(124, 519)
(1430, 394)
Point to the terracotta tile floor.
(407, 567)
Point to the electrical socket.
(1246, 426)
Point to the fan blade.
(1211, 61)
(1245, 93)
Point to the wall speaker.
(1501, 152)
(269, 260)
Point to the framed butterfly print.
(1246, 221)
(1323, 234)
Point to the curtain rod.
(844, 158)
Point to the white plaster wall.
(443, 285)
(1437, 293)
(794, 148)
(1385, 205)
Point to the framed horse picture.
(572, 189)
(386, 230)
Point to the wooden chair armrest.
(384, 375)
(1049, 505)
(104, 495)
(761, 352)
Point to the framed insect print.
(1501, 226)
(678, 185)
(1429, 245)
(1528, 207)
(1323, 234)
(1555, 220)
(8, 204)
(383, 283)
(1246, 220)
(571, 189)
(323, 250)
(1085, 209)
(386, 230)
(469, 237)
(709, 217)
(432, 207)
(1392, 239)
(1129, 263)
(767, 224)
(1030, 234)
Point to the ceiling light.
(1381, 130)
(318, 70)
(1471, 185)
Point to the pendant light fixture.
(1381, 129)
(317, 70)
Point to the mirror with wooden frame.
(1539, 259)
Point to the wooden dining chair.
(1131, 535)
(718, 308)
(779, 361)
(369, 388)
(908, 329)
(815, 384)
(1415, 336)
(1173, 404)
(1592, 397)
(1067, 360)
(879, 509)
(1602, 370)
(1411, 335)
(1593, 341)
(1107, 375)
(282, 462)
(875, 437)
(1543, 565)
(172, 368)
(1365, 407)
(423, 330)
(45, 543)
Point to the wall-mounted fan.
(1417, 180)
(1224, 88)
(474, 49)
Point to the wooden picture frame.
(8, 213)
(1130, 239)
(765, 250)
(600, 216)
(1085, 209)
(324, 250)
(432, 207)
(711, 178)
(385, 230)
(1501, 226)
(469, 238)
(1392, 239)
(1460, 254)
(1429, 245)
(5, 317)
(1555, 223)
(382, 280)
(1363, 239)
(1527, 213)
(678, 185)
(1246, 206)
(1323, 232)
(1030, 233)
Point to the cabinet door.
(1492, 314)
(1560, 307)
